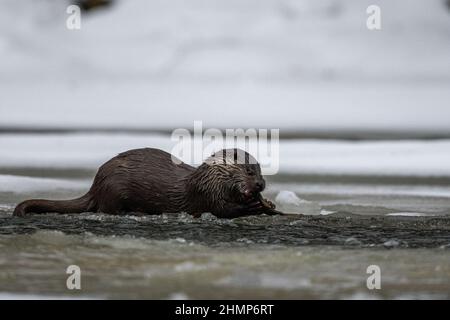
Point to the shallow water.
(293, 230)
(401, 224)
(176, 256)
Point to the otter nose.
(260, 185)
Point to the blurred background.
(310, 68)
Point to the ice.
(393, 243)
(387, 158)
(25, 296)
(363, 189)
(72, 150)
(178, 296)
(352, 241)
(409, 214)
(164, 64)
(18, 184)
(416, 158)
(288, 201)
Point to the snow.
(415, 158)
(362, 189)
(288, 201)
(71, 151)
(409, 214)
(298, 65)
(228, 40)
(386, 158)
(319, 107)
(27, 296)
(19, 184)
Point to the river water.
(403, 228)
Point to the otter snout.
(254, 188)
(260, 185)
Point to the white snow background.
(303, 65)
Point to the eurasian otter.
(228, 184)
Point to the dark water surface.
(293, 230)
(178, 257)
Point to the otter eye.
(250, 172)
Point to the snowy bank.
(419, 158)
(299, 65)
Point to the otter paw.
(267, 203)
(254, 206)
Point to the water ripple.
(339, 229)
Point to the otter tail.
(79, 205)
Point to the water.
(293, 230)
(403, 228)
(135, 267)
(398, 221)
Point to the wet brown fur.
(149, 181)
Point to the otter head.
(237, 173)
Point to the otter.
(151, 181)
